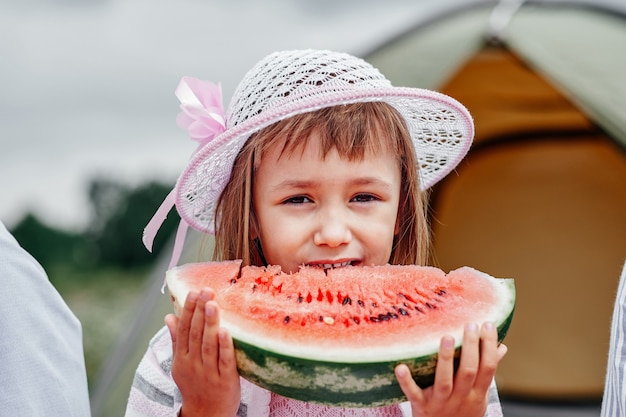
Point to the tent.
(541, 196)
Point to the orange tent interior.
(541, 197)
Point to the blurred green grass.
(104, 300)
(120, 310)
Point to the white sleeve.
(41, 347)
(614, 400)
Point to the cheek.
(386, 249)
(278, 238)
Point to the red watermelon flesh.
(346, 314)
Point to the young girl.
(319, 161)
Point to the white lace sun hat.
(287, 83)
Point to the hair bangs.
(375, 127)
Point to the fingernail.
(489, 326)
(205, 295)
(471, 327)
(192, 296)
(209, 309)
(401, 371)
(447, 342)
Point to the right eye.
(299, 199)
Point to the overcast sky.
(87, 86)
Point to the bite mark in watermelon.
(335, 336)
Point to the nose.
(332, 231)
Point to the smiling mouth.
(332, 265)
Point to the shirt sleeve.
(614, 400)
(153, 392)
(494, 408)
(41, 348)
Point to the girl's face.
(326, 212)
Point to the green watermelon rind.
(356, 385)
(343, 377)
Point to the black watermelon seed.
(346, 300)
(403, 312)
(286, 319)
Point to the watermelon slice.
(335, 336)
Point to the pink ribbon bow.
(202, 114)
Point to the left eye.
(364, 198)
(300, 199)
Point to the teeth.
(337, 265)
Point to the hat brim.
(441, 128)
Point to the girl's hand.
(203, 365)
(466, 393)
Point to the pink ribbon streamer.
(153, 226)
(155, 223)
(202, 116)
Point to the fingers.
(171, 321)
(197, 333)
(470, 359)
(198, 322)
(502, 350)
(444, 372)
(227, 362)
(187, 330)
(200, 348)
(184, 323)
(210, 342)
(443, 387)
(490, 355)
(407, 384)
(466, 390)
(478, 361)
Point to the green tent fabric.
(543, 197)
(579, 49)
(583, 53)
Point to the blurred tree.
(113, 237)
(119, 215)
(47, 244)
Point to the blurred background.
(89, 149)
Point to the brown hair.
(368, 123)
